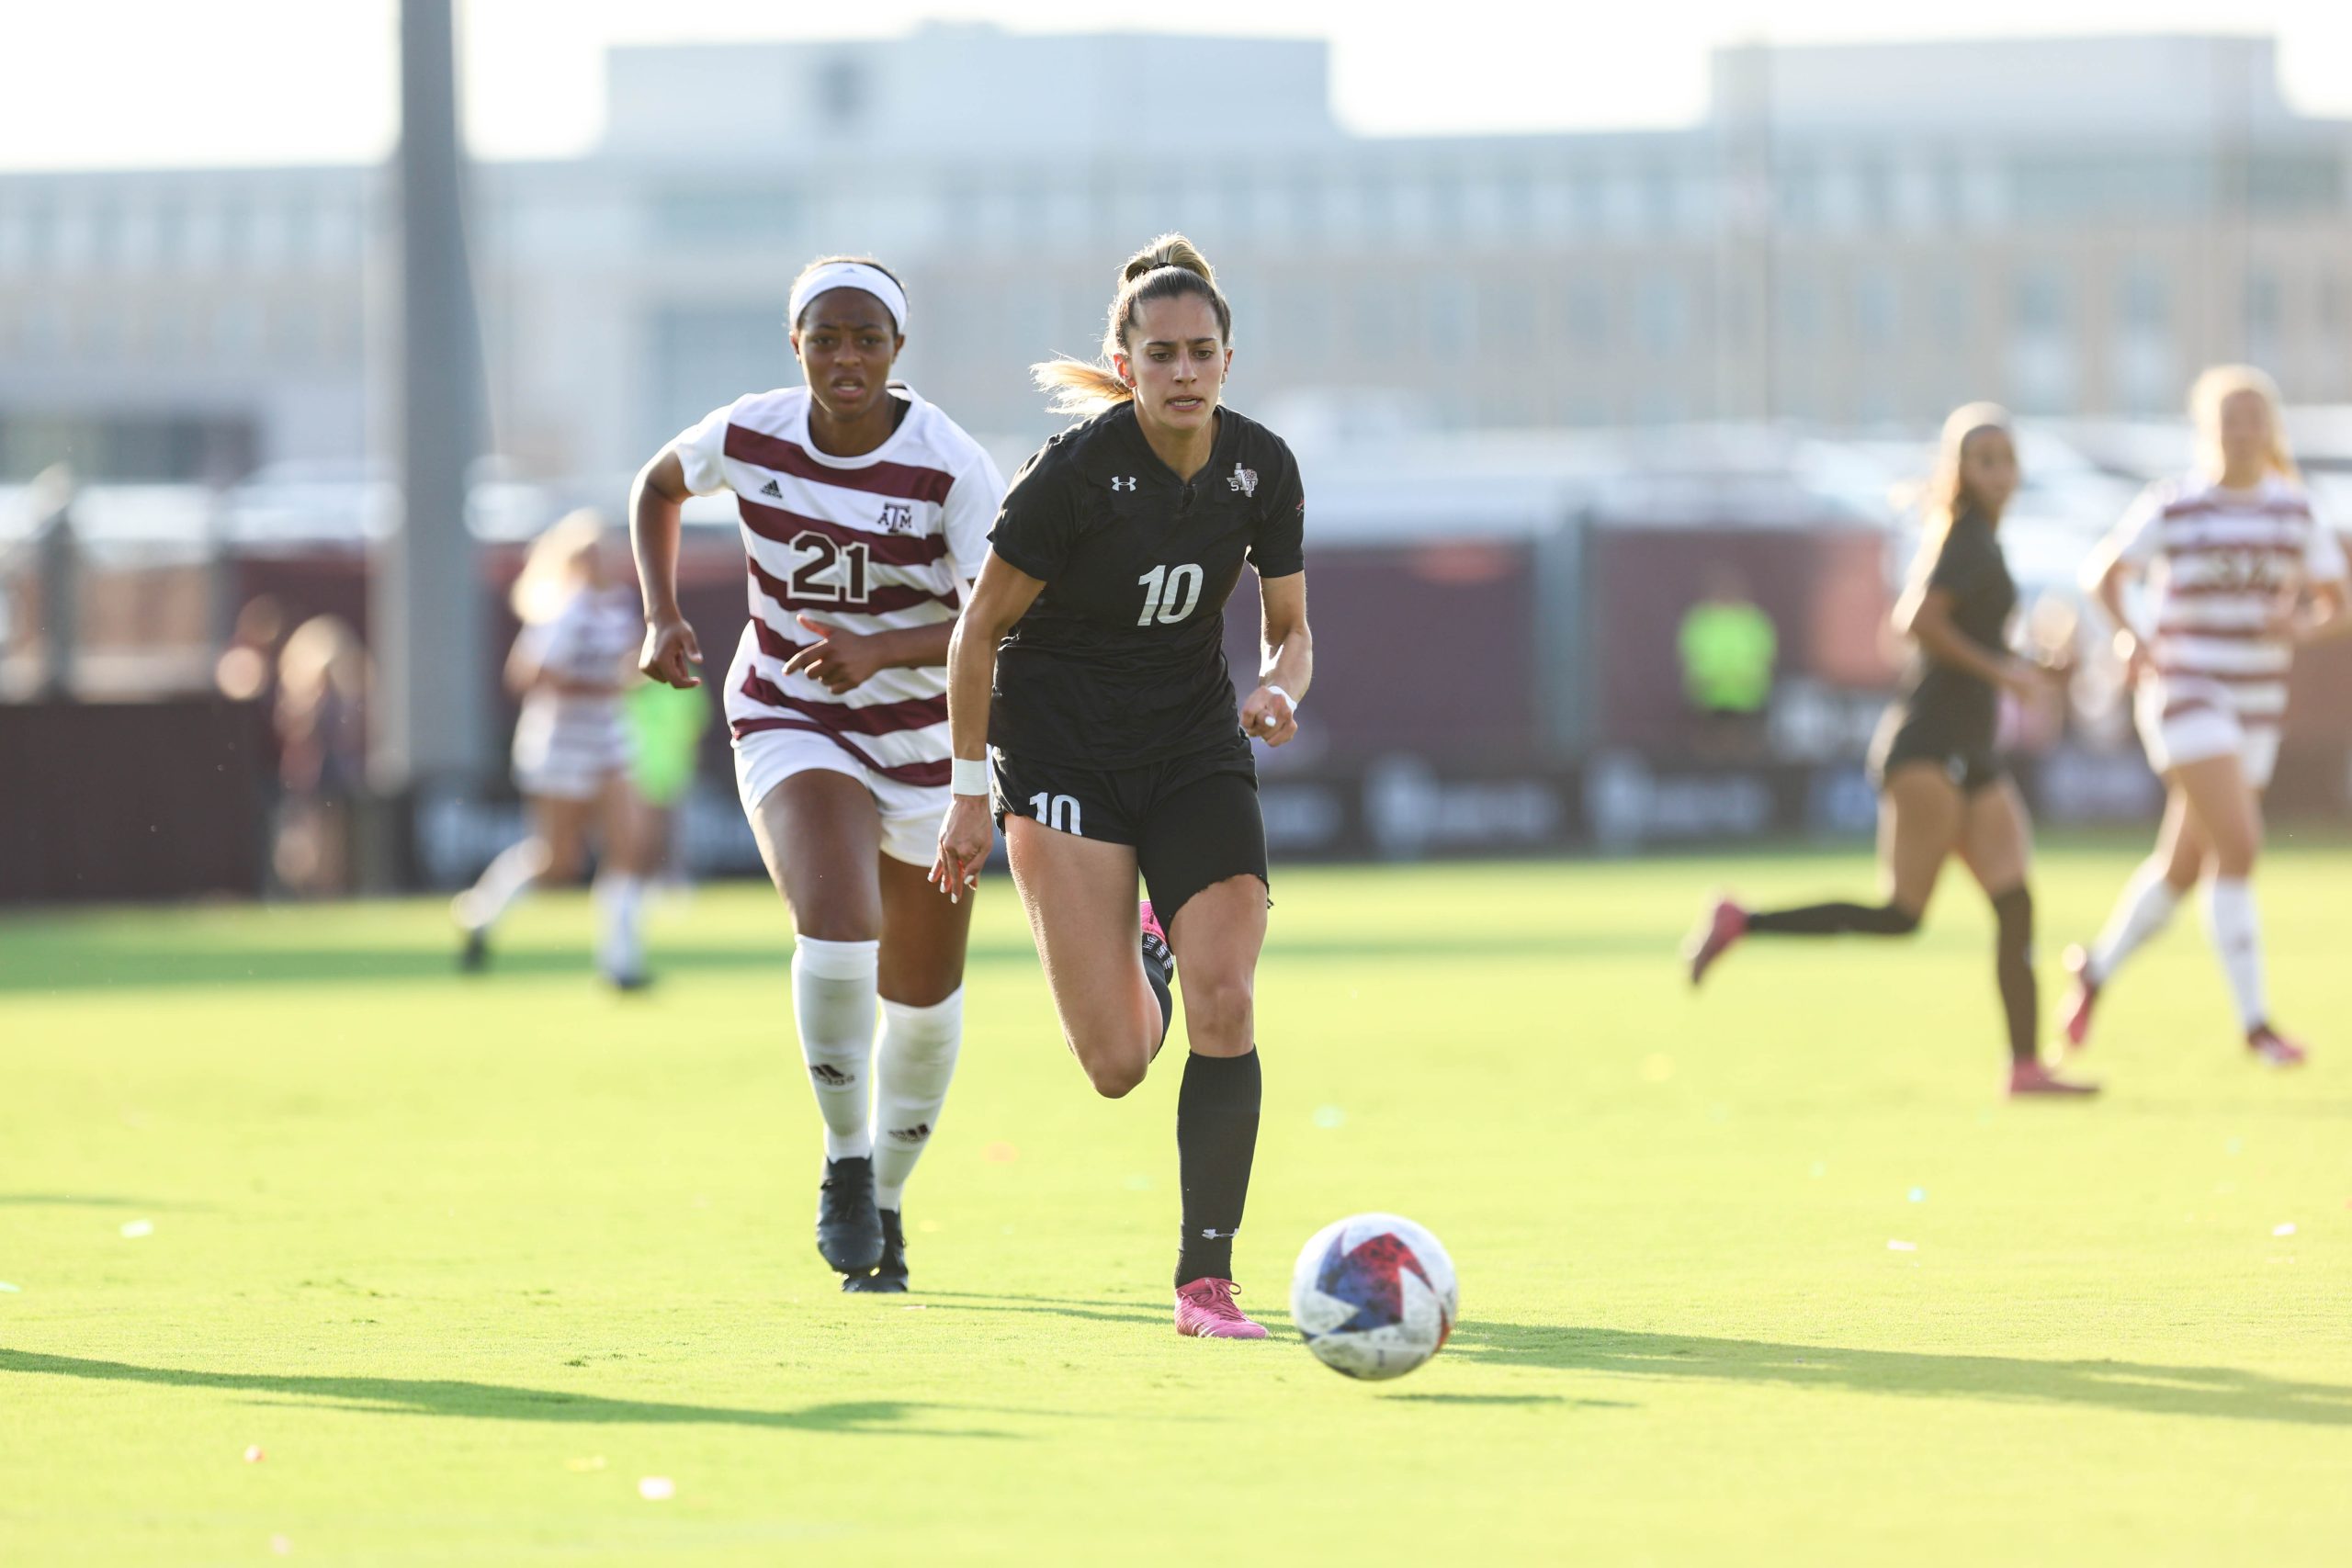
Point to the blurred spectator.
(1727, 647)
(246, 672)
(322, 735)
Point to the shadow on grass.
(494, 1401)
(80, 1200)
(59, 965)
(2218, 1393)
(2214, 1393)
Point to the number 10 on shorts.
(1058, 812)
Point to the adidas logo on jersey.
(772, 489)
(1243, 480)
(1126, 484)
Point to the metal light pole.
(426, 602)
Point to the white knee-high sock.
(832, 1003)
(501, 882)
(2142, 910)
(2236, 933)
(619, 899)
(917, 1063)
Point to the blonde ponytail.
(550, 571)
(2217, 385)
(1168, 266)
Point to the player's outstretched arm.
(1001, 597)
(1288, 667)
(670, 651)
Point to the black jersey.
(1969, 567)
(1121, 659)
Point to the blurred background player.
(1091, 663)
(572, 757)
(1727, 646)
(1942, 785)
(665, 728)
(868, 507)
(2244, 573)
(321, 715)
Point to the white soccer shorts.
(910, 813)
(2184, 719)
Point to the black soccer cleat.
(890, 1274)
(849, 1227)
(474, 956)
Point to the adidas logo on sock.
(773, 489)
(829, 1076)
(915, 1134)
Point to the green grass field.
(467, 1260)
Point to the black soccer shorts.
(1193, 820)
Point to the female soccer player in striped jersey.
(1091, 664)
(572, 751)
(2244, 573)
(865, 515)
(1942, 788)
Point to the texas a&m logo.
(897, 517)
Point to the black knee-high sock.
(1216, 1138)
(2012, 962)
(1828, 920)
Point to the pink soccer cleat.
(1725, 924)
(1204, 1310)
(2273, 1049)
(2032, 1078)
(1150, 922)
(2074, 1018)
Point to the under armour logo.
(1243, 480)
(1126, 484)
(773, 489)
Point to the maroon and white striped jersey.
(2224, 564)
(592, 640)
(882, 542)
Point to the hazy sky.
(162, 82)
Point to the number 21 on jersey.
(1170, 593)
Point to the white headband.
(852, 275)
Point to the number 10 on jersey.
(1171, 593)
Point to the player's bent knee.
(1114, 1078)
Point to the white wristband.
(1285, 697)
(969, 775)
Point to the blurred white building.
(1855, 236)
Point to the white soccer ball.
(1374, 1295)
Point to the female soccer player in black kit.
(1942, 788)
(1089, 665)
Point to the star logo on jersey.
(1370, 1279)
(897, 517)
(1124, 484)
(1243, 480)
(773, 491)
